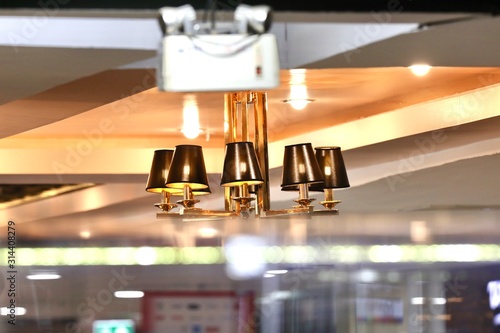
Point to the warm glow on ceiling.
(420, 69)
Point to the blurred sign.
(386, 310)
(193, 311)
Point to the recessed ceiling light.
(43, 276)
(298, 97)
(207, 232)
(420, 69)
(298, 104)
(277, 271)
(129, 294)
(85, 234)
(367, 276)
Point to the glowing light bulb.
(207, 232)
(298, 104)
(420, 69)
(191, 118)
(297, 76)
(85, 234)
(191, 133)
(298, 97)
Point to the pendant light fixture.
(245, 174)
(241, 170)
(334, 172)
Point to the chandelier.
(181, 171)
(217, 51)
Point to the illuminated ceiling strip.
(347, 254)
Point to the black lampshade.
(187, 168)
(333, 168)
(159, 171)
(300, 166)
(241, 165)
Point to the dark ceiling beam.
(483, 6)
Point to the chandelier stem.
(328, 194)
